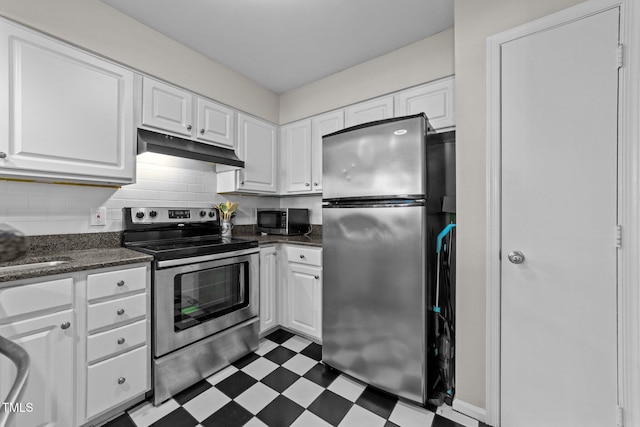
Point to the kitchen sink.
(31, 266)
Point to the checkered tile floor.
(284, 384)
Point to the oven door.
(194, 298)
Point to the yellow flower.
(226, 209)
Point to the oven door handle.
(204, 258)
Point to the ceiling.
(284, 44)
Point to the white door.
(559, 197)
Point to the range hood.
(154, 142)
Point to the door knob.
(516, 257)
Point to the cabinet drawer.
(25, 299)
(303, 255)
(116, 340)
(116, 380)
(105, 314)
(115, 283)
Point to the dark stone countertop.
(100, 250)
(91, 251)
(248, 232)
(85, 259)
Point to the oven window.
(203, 295)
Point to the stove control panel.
(170, 215)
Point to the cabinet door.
(320, 126)
(166, 107)
(434, 99)
(50, 385)
(296, 156)
(268, 281)
(304, 300)
(370, 111)
(257, 147)
(216, 123)
(64, 114)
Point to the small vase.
(225, 229)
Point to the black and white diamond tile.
(282, 384)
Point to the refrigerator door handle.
(381, 204)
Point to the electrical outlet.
(99, 216)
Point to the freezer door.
(374, 296)
(382, 160)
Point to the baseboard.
(470, 410)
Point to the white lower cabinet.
(268, 283)
(116, 380)
(78, 375)
(118, 329)
(302, 299)
(291, 289)
(48, 399)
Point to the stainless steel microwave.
(284, 221)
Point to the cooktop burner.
(171, 233)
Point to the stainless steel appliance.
(204, 290)
(155, 142)
(384, 185)
(284, 221)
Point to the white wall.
(474, 22)
(97, 27)
(420, 62)
(40, 208)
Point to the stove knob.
(153, 214)
(211, 214)
(139, 215)
(203, 213)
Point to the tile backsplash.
(40, 208)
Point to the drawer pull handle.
(121, 380)
(120, 283)
(316, 277)
(120, 311)
(120, 341)
(301, 256)
(65, 325)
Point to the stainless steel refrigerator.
(384, 187)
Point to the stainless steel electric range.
(204, 290)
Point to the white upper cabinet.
(65, 115)
(364, 112)
(257, 147)
(170, 109)
(216, 123)
(301, 144)
(435, 99)
(166, 107)
(296, 156)
(320, 126)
